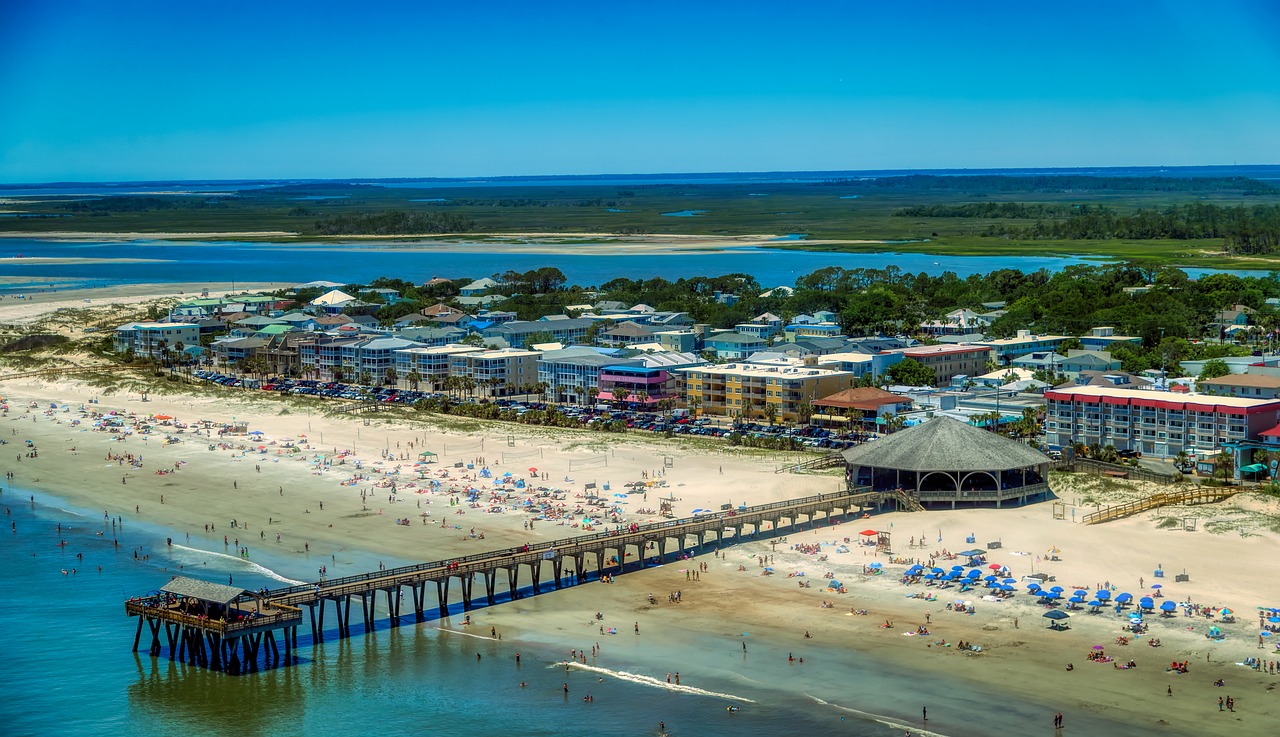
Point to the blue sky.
(175, 90)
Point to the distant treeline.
(1245, 230)
(995, 183)
(138, 204)
(526, 202)
(394, 222)
(1007, 210)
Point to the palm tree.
(366, 378)
(641, 396)
(414, 379)
(592, 393)
(804, 412)
(393, 377)
(1224, 465)
(695, 404)
(1180, 460)
(771, 412)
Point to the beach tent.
(427, 456)
(1056, 617)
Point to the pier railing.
(521, 556)
(1197, 495)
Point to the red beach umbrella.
(869, 533)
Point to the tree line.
(1058, 183)
(393, 222)
(1007, 210)
(1244, 230)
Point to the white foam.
(881, 719)
(651, 681)
(466, 634)
(254, 567)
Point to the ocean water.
(69, 670)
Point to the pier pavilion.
(946, 461)
(212, 625)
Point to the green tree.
(1213, 368)
(1224, 465)
(392, 376)
(415, 379)
(910, 372)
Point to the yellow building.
(744, 389)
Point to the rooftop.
(944, 444)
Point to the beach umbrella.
(1103, 595)
(1157, 586)
(1056, 589)
(1273, 620)
(931, 577)
(957, 569)
(876, 566)
(1095, 603)
(936, 570)
(1008, 580)
(1006, 587)
(1265, 633)
(533, 470)
(1056, 614)
(1168, 606)
(995, 566)
(1124, 598)
(1076, 600)
(1146, 602)
(868, 533)
(990, 579)
(1227, 612)
(1080, 593)
(975, 573)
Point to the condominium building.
(497, 373)
(430, 362)
(741, 388)
(154, 338)
(1155, 423)
(950, 360)
(1006, 349)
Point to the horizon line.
(604, 175)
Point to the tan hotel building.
(724, 390)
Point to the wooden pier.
(1187, 497)
(565, 562)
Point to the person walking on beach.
(925, 713)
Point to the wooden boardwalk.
(553, 565)
(1186, 497)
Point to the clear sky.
(126, 90)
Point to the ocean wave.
(651, 681)
(879, 718)
(247, 564)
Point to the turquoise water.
(791, 237)
(68, 667)
(685, 213)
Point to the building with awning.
(1161, 424)
(948, 462)
(867, 403)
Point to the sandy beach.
(324, 486)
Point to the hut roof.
(944, 444)
(203, 590)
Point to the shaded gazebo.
(948, 461)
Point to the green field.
(818, 211)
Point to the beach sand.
(236, 481)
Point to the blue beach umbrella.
(1009, 580)
(1076, 600)
(1095, 603)
(936, 570)
(1146, 602)
(975, 573)
(931, 577)
(990, 578)
(1080, 593)
(1273, 620)
(876, 566)
(1103, 595)
(1057, 589)
(1168, 606)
